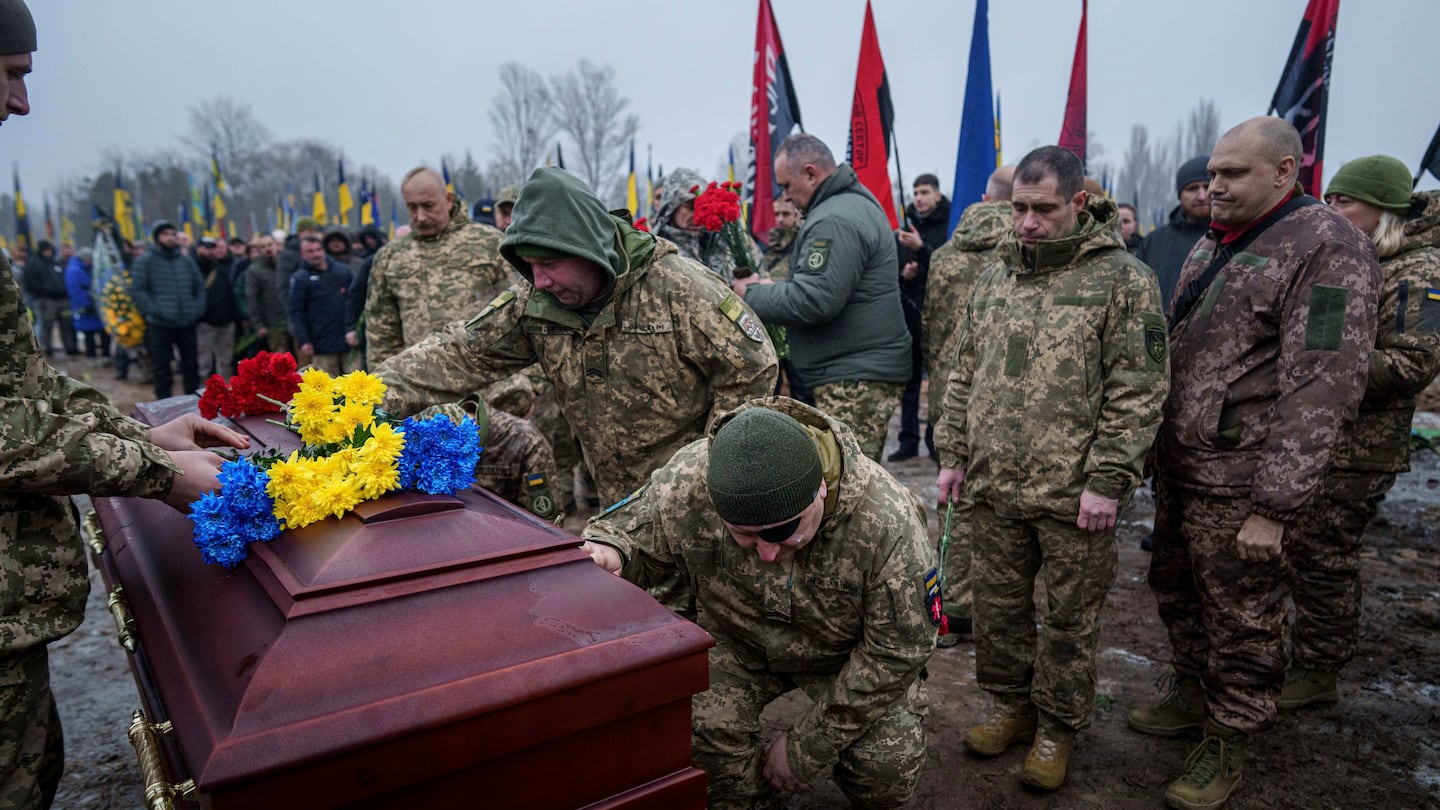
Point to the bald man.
(1270, 336)
(954, 267)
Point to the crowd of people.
(1257, 359)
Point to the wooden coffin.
(424, 651)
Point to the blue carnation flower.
(226, 522)
(439, 455)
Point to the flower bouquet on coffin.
(352, 452)
(717, 209)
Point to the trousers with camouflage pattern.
(1078, 568)
(864, 405)
(881, 769)
(32, 750)
(1324, 553)
(1225, 615)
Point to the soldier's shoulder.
(478, 234)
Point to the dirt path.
(1379, 747)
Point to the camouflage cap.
(17, 28)
(508, 194)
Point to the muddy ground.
(1378, 747)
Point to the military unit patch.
(542, 503)
(734, 310)
(933, 605)
(816, 255)
(497, 302)
(1429, 320)
(1156, 343)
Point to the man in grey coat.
(841, 303)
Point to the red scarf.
(1229, 233)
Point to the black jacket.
(317, 306)
(167, 288)
(42, 277)
(1166, 248)
(934, 230)
(219, 295)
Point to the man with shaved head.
(954, 266)
(1270, 334)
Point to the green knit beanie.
(764, 468)
(17, 28)
(1380, 180)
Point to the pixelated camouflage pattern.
(636, 385)
(775, 263)
(1271, 362)
(705, 247)
(1406, 356)
(864, 406)
(880, 769)
(551, 423)
(1057, 675)
(58, 437)
(954, 267)
(419, 284)
(1224, 615)
(850, 605)
(518, 465)
(32, 751)
(1060, 374)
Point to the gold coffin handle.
(93, 534)
(120, 612)
(160, 792)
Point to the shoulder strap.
(1195, 290)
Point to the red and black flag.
(774, 113)
(872, 121)
(1304, 89)
(1072, 129)
(1431, 161)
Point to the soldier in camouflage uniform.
(675, 220)
(841, 303)
(1374, 194)
(642, 349)
(1053, 402)
(516, 464)
(444, 271)
(812, 570)
(775, 263)
(1270, 359)
(954, 267)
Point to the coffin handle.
(93, 534)
(120, 612)
(160, 792)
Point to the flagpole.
(899, 178)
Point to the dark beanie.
(1380, 180)
(1194, 170)
(17, 28)
(764, 468)
(160, 225)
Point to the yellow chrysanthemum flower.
(354, 414)
(317, 380)
(361, 387)
(385, 444)
(375, 477)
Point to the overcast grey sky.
(399, 83)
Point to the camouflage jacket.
(704, 247)
(1060, 373)
(1271, 362)
(670, 348)
(420, 284)
(58, 437)
(954, 267)
(1406, 357)
(853, 602)
(775, 263)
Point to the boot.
(1212, 771)
(1305, 687)
(1180, 711)
(959, 629)
(1003, 729)
(1045, 764)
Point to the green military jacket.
(1406, 357)
(1060, 374)
(420, 284)
(58, 437)
(670, 348)
(852, 603)
(954, 267)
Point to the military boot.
(1007, 726)
(1180, 711)
(1212, 771)
(1050, 753)
(1305, 687)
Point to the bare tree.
(522, 114)
(1148, 173)
(591, 111)
(1202, 129)
(230, 129)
